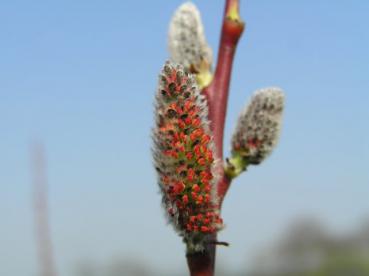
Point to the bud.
(183, 155)
(188, 45)
(258, 128)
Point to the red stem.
(217, 91)
(202, 264)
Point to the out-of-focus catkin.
(188, 45)
(183, 155)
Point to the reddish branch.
(41, 212)
(217, 91)
(202, 264)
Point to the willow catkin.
(183, 156)
(259, 125)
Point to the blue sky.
(81, 76)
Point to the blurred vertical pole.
(40, 194)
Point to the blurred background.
(79, 77)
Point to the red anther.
(178, 187)
(190, 174)
(171, 153)
(205, 175)
(201, 161)
(209, 214)
(205, 139)
(197, 151)
(179, 110)
(175, 138)
(185, 199)
(207, 188)
(200, 199)
(207, 198)
(182, 136)
(205, 181)
(172, 106)
(189, 155)
(196, 133)
(196, 188)
(180, 169)
(196, 122)
(188, 121)
(192, 112)
(209, 156)
(181, 124)
(200, 132)
(179, 205)
(204, 229)
(187, 105)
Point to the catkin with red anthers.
(259, 125)
(184, 157)
(187, 41)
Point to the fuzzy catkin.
(187, 41)
(183, 156)
(259, 125)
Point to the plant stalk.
(44, 243)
